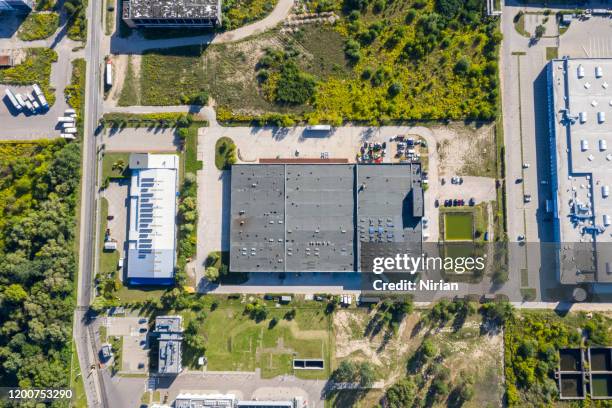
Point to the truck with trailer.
(20, 100)
(63, 119)
(70, 130)
(108, 78)
(40, 96)
(11, 96)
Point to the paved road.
(83, 333)
(136, 44)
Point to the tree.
(15, 293)
(462, 66)
(367, 376)
(401, 394)
(395, 89)
(211, 273)
(540, 31)
(346, 372)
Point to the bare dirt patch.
(465, 150)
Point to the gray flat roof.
(171, 9)
(582, 109)
(168, 324)
(316, 217)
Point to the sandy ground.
(120, 65)
(459, 146)
(466, 351)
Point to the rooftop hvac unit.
(580, 71)
(606, 220)
(584, 145)
(601, 117)
(603, 144)
(605, 191)
(583, 117)
(598, 72)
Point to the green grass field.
(235, 342)
(113, 158)
(458, 226)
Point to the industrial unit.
(580, 110)
(172, 13)
(322, 217)
(169, 330)
(193, 400)
(151, 248)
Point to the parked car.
(527, 198)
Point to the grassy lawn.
(108, 259)
(236, 342)
(36, 69)
(552, 53)
(79, 399)
(225, 153)
(38, 26)
(192, 164)
(113, 158)
(458, 226)
(129, 95)
(171, 76)
(519, 25)
(110, 17)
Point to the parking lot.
(116, 195)
(254, 144)
(140, 140)
(135, 352)
(22, 126)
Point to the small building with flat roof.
(322, 217)
(151, 251)
(172, 13)
(169, 330)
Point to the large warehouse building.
(152, 212)
(172, 13)
(322, 217)
(580, 102)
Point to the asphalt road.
(83, 334)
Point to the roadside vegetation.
(237, 13)
(38, 197)
(381, 61)
(38, 26)
(156, 120)
(77, 21)
(75, 91)
(225, 153)
(35, 69)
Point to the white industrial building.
(196, 400)
(580, 104)
(151, 249)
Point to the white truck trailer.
(11, 96)
(40, 96)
